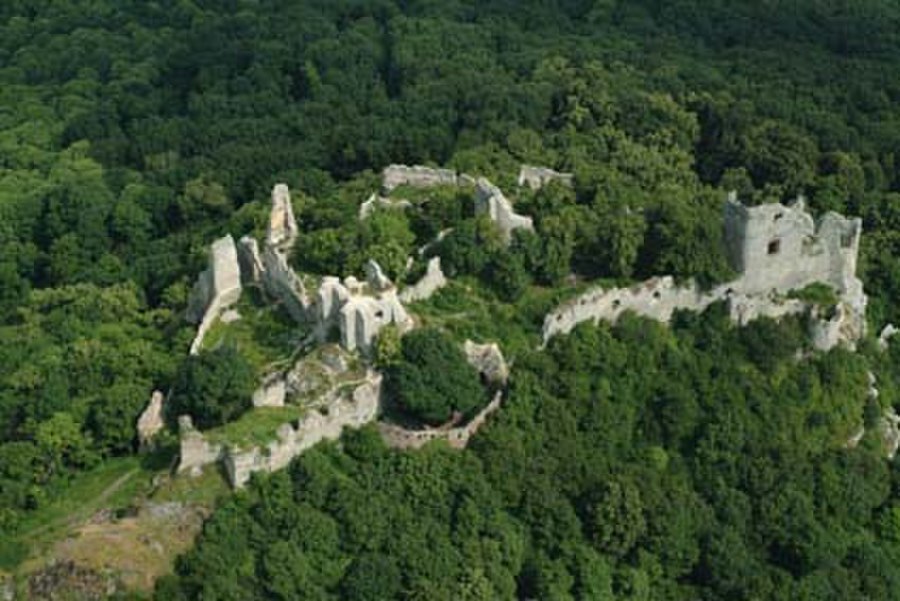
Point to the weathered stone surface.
(216, 289)
(375, 203)
(778, 247)
(271, 393)
(375, 277)
(416, 176)
(250, 260)
(282, 230)
(538, 177)
(433, 280)
(151, 421)
(488, 360)
(281, 282)
(195, 451)
(490, 200)
(357, 315)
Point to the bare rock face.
(433, 280)
(538, 177)
(151, 420)
(271, 393)
(488, 360)
(889, 427)
(490, 201)
(282, 229)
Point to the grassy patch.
(265, 333)
(816, 293)
(256, 427)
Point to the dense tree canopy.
(629, 462)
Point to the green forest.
(629, 461)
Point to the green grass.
(816, 293)
(256, 427)
(265, 334)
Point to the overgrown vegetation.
(133, 133)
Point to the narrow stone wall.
(490, 201)
(398, 437)
(376, 202)
(417, 176)
(433, 280)
(538, 177)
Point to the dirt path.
(77, 516)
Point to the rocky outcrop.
(417, 176)
(150, 422)
(538, 177)
(489, 362)
(216, 289)
(490, 201)
(433, 280)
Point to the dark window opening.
(846, 240)
(774, 247)
(778, 216)
(617, 303)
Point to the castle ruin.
(776, 249)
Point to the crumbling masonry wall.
(490, 201)
(777, 249)
(217, 288)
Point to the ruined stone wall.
(282, 230)
(398, 437)
(417, 176)
(280, 281)
(538, 177)
(433, 280)
(150, 421)
(490, 201)
(778, 247)
(195, 451)
(488, 360)
(376, 202)
(353, 411)
(216, 289)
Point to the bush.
(213, 387)
(432, 380)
